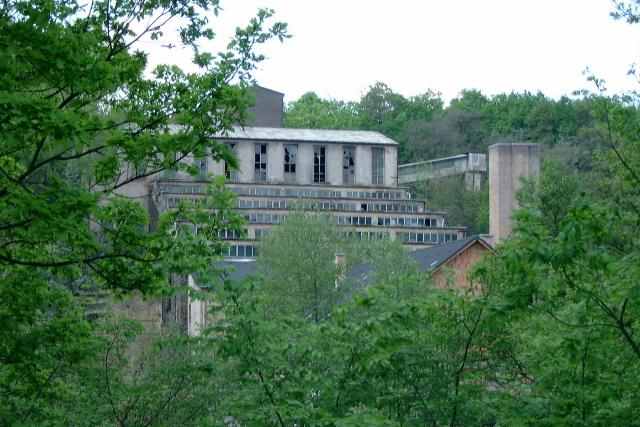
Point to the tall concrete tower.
(508, 162)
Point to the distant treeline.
(425, 128)
(570, 129)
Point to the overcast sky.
(340, 47)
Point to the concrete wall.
(333, 161)
(508, 163)
(245, 151)
(390, 166)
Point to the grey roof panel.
(434, 256)
(310, 135)
(236, 270)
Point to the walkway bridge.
(473, 166)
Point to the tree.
(567, 283)
(298, 263)
(178, 380)
(383, 357)
(312, 112)
(81, 124)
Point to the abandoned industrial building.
(350, 174)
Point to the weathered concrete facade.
(508, 163)
(363, 143)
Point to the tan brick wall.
(456, 271)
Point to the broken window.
(348, 165)
(290, 159)
(232, 175)
(319, 164)
(201, 164)
(261, 162)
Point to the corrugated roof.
(310, 135)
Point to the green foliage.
(464, 207)
(297, 262)
(84, 128)
(174, 380)
(567, 285)
(379, 359)
(312, 112)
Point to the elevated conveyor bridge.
(473, 166)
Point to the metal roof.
(433, 257)
(310, 135)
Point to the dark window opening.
(290, 159)
(261, 162)
(319, 164)
(348, 165)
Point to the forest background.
(425, 129)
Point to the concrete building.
(268, 108)
(350, 174)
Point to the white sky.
(341, 47)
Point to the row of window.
(389, 222)
(173, 202)
(290, 162)
(265, 218)
(342, 220)
(320, 194)
(429, 237)
(386, 195)
(242, 251)
(188, 188)
(408, 222)
(182, 189)
(327, 206)
(392, 208)
(368, 235)
(354, 220)
(231, 234)
(259, 233)
(259, 218)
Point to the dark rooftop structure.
(268, 108)
(236, 269)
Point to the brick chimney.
(508, 162)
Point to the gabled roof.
(309, 135)
(433, 257)
(427, 259)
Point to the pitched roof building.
(448, 265)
